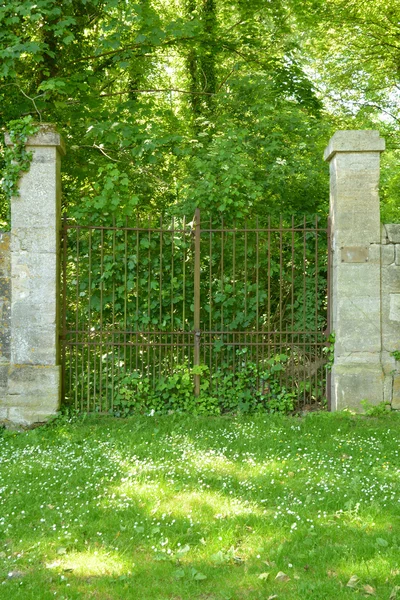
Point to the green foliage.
(253, 387)
(168, 105)
(329, 351)
(375, 410)
(395, 354)
(17, 159)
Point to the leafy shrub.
(249, 389)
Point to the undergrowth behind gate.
(204, 316)
(160, 508)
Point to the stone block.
(393, 232)
(354, 141)
(357, 280)
(5, 254)
(35, 239)
(352, 384)
(374, 254)
(4, 368)
(390, 329)
(25, 417)
(388, 388)
(34, 380)
(353, 228)
(391, 279)
(365, 338)
(388, 362)
(31, 314)
(396, 392)
(34, 345)
(44, 402)
(47, 136)
(356, 358)
(381, 254)
(388, 254)
(394, 307)
(41, 265)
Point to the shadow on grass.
(218, 505)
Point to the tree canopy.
(166, 105)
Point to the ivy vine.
(17, 158)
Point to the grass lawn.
(179, 508)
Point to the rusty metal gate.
(197, 301)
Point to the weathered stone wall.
(5, 314)
(390, 290)
(32, 351)
(354, 158)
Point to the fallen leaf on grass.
(393, 594)
(353, 581)
(263, 576)
(282, 577)
(179, 573)
(269, 563)
(199, 577)
(272, 597)
(15, 574)
(196, 575)
(368, 589)
(331, 573)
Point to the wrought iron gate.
(144, 301)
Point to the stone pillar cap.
(354, 141)
(46, 136)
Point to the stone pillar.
(34, 374)
(357, 375)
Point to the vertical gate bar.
(111, 404)
(182, 337)
(304, 308)
(328, 311)
(160, 299)
(269, 287)
(210, 299)
(137, 300)
(78, 357)
(125, 295)
(89, 317)
(292, 337)
(234, 339)
(222, 286)
(257, 291)
(101, 318)
(316, 348)
(262, 342)
(172, 350)
(64, 233)
(281, 377)
(196, 355)
(130, 327)
(244, 337)
(149, 351)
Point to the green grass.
(179, 508)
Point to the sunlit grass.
(176, 508)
